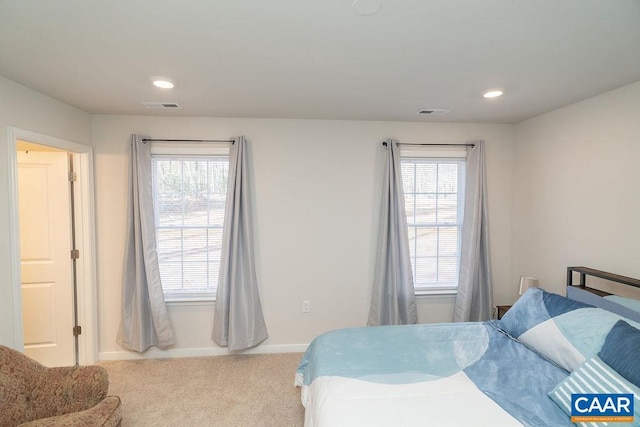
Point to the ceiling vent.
(433, 112)
(161, 105)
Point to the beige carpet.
(242, 390)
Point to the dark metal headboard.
(596, 297)
(586, 271)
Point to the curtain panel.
(144, 317)
(393, 297)
(238, 321)
(474, 300)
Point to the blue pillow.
(630, 303)
(621, 349)
(551, 325)
(535, 307)
(562, 330)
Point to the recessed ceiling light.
(493, 93)
(366, 7)
(162, 83)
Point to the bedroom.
(554, 180)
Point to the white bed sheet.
(449, 401)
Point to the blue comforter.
(505, 370)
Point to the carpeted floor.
(242, 390)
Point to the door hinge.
(77, 330)
(73, 177)
(75, 254)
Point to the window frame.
(439, 154)
(178, 150)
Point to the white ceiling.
(319, 59)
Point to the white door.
(45, 253)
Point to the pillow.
(594, 376)
(535, 307)
(565, 331)
(630, 303)
(621, 349)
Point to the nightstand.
(502, 309)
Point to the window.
(434, 203)
(189, 203)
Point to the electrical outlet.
(306, 306)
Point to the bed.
(519, 370)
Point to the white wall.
(26, 109)
(316, 210)
(576, 197)
(572, 175)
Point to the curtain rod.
(145, 140)
(433, 145)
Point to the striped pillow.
(594, 376)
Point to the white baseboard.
(156, 353)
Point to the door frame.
(85, 239)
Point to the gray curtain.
(238, 321)
(393, 300)
(145, 321)
(474, 299)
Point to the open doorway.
(53, 240)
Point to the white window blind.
(189, 205)
(434, 204)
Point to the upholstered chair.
(34, 395)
